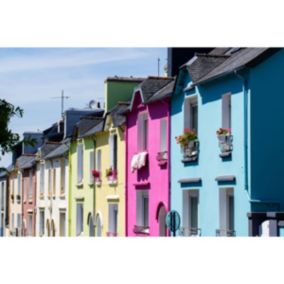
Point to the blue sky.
(30, 77)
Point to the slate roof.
(3, 174)
(72, 116)
(26, 161)
(151, 85)
(99, 126)
(59, 151)
(117, 113)
(222, 61)
(164, 92)
(47, 148)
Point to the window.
(79, 218)
(54, 182)
(190, 212)
(191, 113)
(226, 111)
(62, 176)
(80, 163)
(13, 222)
(112, 221)
(113, 151)
(62, 224)
(92, 166)
(19, 219)
(50, 182)
(30, 195)
(41, 179)
(226, 212)
(142, 208)
(163, 135)
(142, 132)
(30, 224)
(2, 196)
(41, 222)
(19, 183)
(99, 161)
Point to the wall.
(267, 138)
(107, 193)
(210, 165)
(154, 174)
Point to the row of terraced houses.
(198, 141)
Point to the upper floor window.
(142, 210)
(191, 113)
(163, 135)
(41, 179)
(54, 182)
(62, 224)
(30, 194)
(99, 161)
(226, 111)
(112, 219)
(62, 176)
(79, 218)
(80, 161)
(41, 222)
(113, 151)
(92, 166)
(19, 183)
(142, 132)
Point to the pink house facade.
(147, 156)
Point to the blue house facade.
(226, 180)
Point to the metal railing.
(191, 150)
(225, 233)
(190, 232)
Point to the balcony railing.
(190, 232)
(225, 233)
(225, 145)
(190, 151)
(141, 229)
(112, 234)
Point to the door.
(162, 221)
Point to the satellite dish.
(92, 104)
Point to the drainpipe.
(95, 188)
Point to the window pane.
(163, 135)
(115, 152)
(231, 212)
(62, 222)
(194, 117)
(226, 111)
(146, 211)
(92, 166)
(194, 212)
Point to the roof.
(99, 126)
(3, 174)
(59, 151)
(26, 161)
(84, 125)
(124, 79)
(163, 93)
(47, 148)
(72, 116)
(222, 61)
(117, 113)
(151, 85)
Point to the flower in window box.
(223, 132)
(96, 174)
(187, 136)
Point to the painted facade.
(4, 197)
(212, 182)
(147, 138)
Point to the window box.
(112, 234)
(97, 177)
(225, 141)
(190, 232)
(141, 229)
(162, 157)
(225, 233)
(18, 198)
(111, 175)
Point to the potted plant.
(225, 139)
(111, 174)
(96, 174)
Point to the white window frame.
(187, 195)
(188, 114)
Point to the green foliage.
(8, 139)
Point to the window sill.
(189, 159)
(112, 182)
(62, 195)
(91, 184)
(80, 185)
(41, 196)
(225, 154)
(98, 183)
(30, 201)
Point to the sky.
(32, 77)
